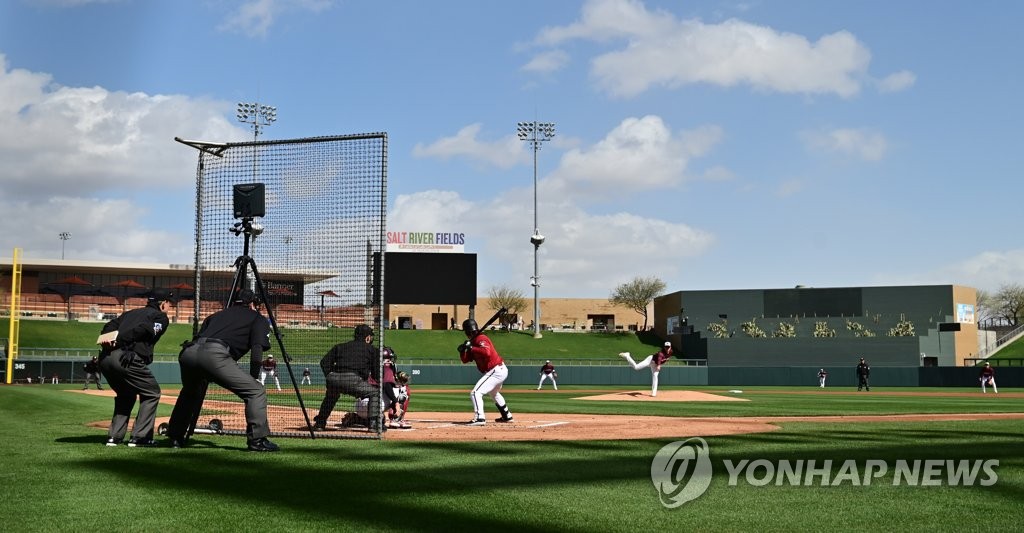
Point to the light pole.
(259, 116)
(287, 251)
(535, 133)
(256, 114)
(64, 236)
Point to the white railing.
(1012, 335)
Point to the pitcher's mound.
(663, 396)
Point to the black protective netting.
(325, 208)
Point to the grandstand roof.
(159, 269)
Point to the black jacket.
(138, 330)
(355, 357)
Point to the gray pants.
(91, 377)
(204, 362)
(352, 385)
(131, 382)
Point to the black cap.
(159, 295)
(362, 331)
(245, 296)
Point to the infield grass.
(57, 476)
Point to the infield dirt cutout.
(447, 426)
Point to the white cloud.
(789, 187)
(717, 173)
(504, 153)
(862, 143)
(639, 154)
(897, 81)
(68, 151)
(101, 230)
(255, 17)
(549, 61)
(428, 211)
(987, 270)
(584, 253)
(664, 51)
(604, 20)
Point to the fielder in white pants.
(547, 372)
(653, 361)
(271, 373)
(988, 377)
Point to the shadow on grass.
(487, 485)
(352, 487)
(94, 440)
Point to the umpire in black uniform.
(863, 374)
(213, 355)
(347, 368)
(125, 364)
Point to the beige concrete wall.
(555, 313)
(967, 337)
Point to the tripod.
(242, 265)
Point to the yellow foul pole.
(15, 325)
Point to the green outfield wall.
(673, 374)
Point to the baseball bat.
(501, 312)
(486, 325)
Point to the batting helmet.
(469, 327)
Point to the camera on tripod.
(249, 202)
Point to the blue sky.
(712, 144)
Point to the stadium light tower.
(259, 116)
(256, 114)
(535, 133)
(64, 236)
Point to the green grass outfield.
(57, 476)
(419, 344)
(437, 344)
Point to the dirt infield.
(447, 426)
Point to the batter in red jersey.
(479, 349)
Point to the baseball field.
(892, 459)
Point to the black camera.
(249, 200)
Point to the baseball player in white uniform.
(548, 372)
(269, 368)
(653, 361)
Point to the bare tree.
(986, 307)
(509, 298)
(638, 294)
(1009, 303)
